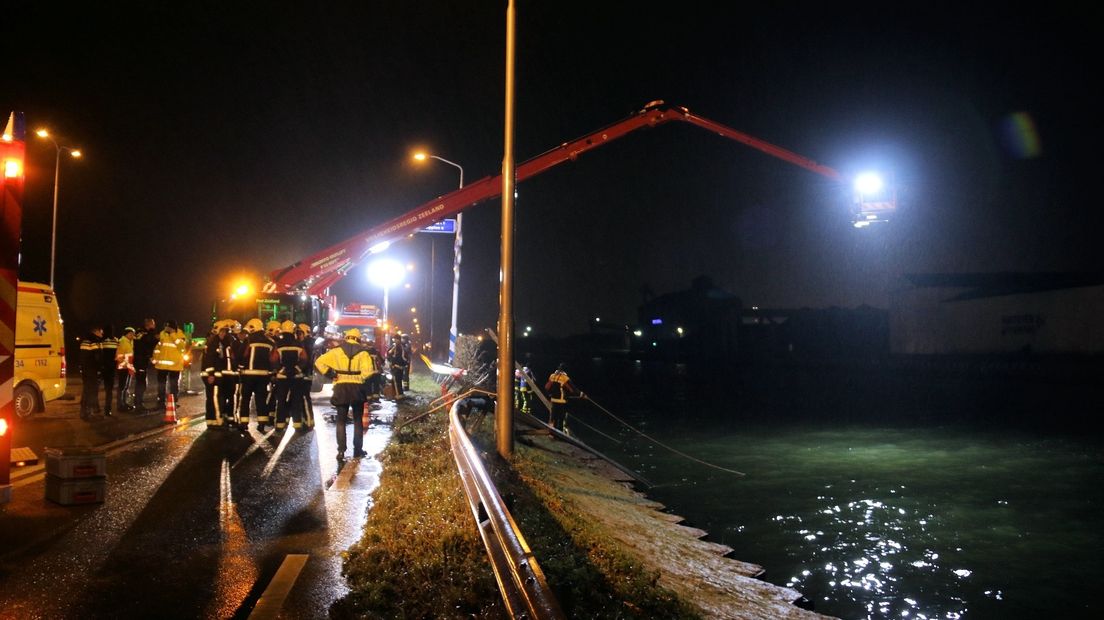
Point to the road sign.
(446, 226)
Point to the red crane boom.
(316, 273)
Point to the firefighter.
(108, 347)
(523, 393)
(288, 358)
(208, 375)
(124, 367)
(559, 388)
(396, 357)
(302, 408)
(91, 363)
(168, 359)
(227, 351)
(408, 351)
(145, 342)
(350, 366)
(255, 366)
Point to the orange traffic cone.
(170, 410)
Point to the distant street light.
(75, 154)
(385, 273)
(456, 256)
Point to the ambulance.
(39, 348)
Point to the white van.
(39, 348)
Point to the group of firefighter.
(270, 368)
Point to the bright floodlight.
(42, 133)
(385, 272)
(868, 183)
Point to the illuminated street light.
(422, 156)
(75, 154)
(385, 273)
(869, 183)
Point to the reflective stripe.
(255, 373)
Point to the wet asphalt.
(195, 524)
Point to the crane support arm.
(319, 271)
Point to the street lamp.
(455, 258)
(75, 154)
(385, 273)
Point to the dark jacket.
(91, 356)
(144, 344)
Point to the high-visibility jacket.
(256, 357)
(351, 366)
(169, 352)
(90, 356)
(559, 387)
(124, 354)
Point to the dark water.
(882, 494)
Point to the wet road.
(195, 525)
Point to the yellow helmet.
(235, 326)
(272, 326)
(287, 327)
(254, 325)
(303, 327)
(353, 334)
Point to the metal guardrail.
(520, 579)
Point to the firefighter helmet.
(352, 335)
(287, 327)
(254, 325)
(236, 327)
(272, 327)
(303, 327)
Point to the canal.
(877, 493)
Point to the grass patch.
(421, 556)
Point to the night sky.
(228, 141)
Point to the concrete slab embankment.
(695, 569)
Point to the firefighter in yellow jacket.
(350, 366)
(168, 359)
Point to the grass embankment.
(421, 556)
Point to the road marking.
(272, 601)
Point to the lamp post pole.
(455, 266)
(42, 133)
(504, 403)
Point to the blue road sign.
(444, 227)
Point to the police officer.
(144, 344)
(559, 388)
(91, 363)
(108, 347)
(302, 409)
(255, 366)
(288, 358)
(350, 366)
(124, 367)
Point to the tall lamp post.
(455, 259)
(74, 153)
(386, 273)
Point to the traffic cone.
(170, 410)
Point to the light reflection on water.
(899, 523)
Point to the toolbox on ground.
(76, 475)
(70, 491)
(76, 462)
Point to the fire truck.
(301, 291)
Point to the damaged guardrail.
(520, 579)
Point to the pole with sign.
(12, 149)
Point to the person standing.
(396, 357)
(145, 342)
(350, 366)
(108, 347)
(302, 408)
(124, 367)
(210, 366)
(168, 358)
(255, 366)
(408, 351)
(559, 388)
(91, 364)
(226, 387)
(288, 358)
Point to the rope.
(575, 420)
(660, 443)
